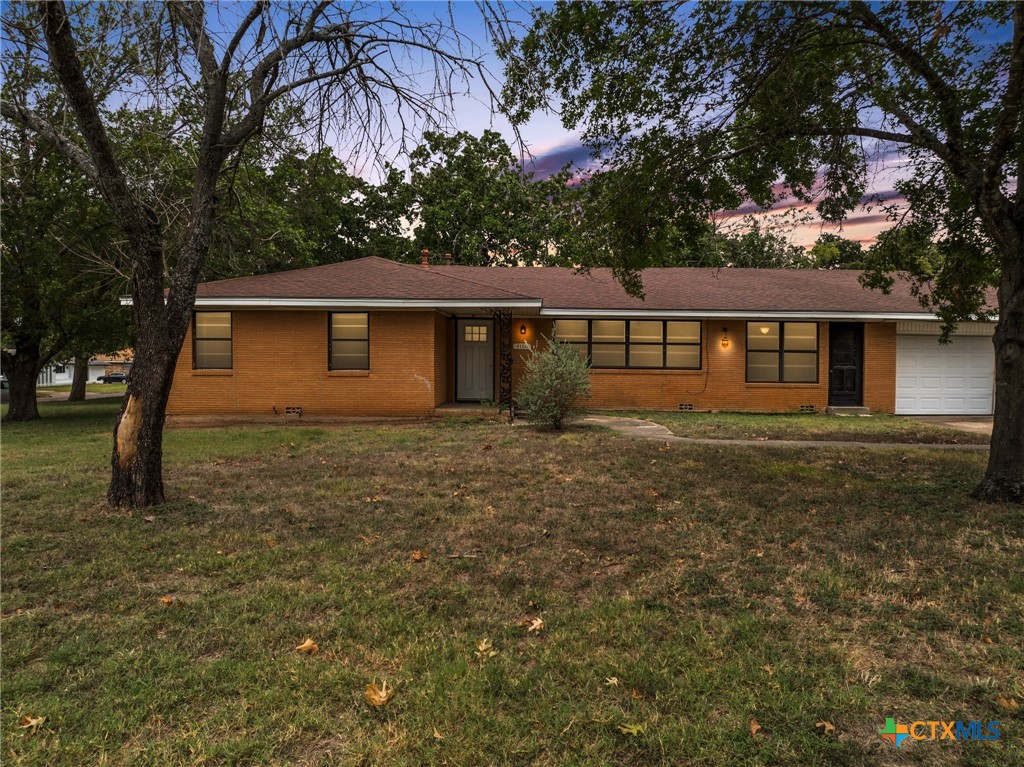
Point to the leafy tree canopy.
(696, 108)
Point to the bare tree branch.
(29, 119)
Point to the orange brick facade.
(279, 360)
(721, 382)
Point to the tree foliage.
(208, 82)
(699, 107)
(471, 197)
(57, 300)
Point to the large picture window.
(651, 344)
(782, 352)
(211, 341)
(349, 341)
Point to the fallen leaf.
(986, 639)
(755, 729)
(309, 646)
(635, 694)
(633, 730)
(485, 650)
(486, 447)
(167, 600)
(1010, 704)
(378, 696)
(612, 681)
(419, 556)
(535, 625)
(271, 543)
(826, 727)
(31, 723)
(149, 519)
(437, 735)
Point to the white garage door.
(955, 379)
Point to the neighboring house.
(376, 337)
(63, 373)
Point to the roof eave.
(363, 303)
(737, 314)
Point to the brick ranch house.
(376, 337)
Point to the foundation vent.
(685, 407)
(293, 410)
(808, 409)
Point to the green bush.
(555, 381)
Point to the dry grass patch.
(683, 591)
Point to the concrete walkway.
(978, 424)
(639, 429)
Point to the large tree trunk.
(1004, 477)
(161, 322)
(22, 369)
(137, 459)
(80, 379)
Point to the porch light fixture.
(725, 338)
(764, 330)
(522, 329)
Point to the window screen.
(350, 341)
(211, 341)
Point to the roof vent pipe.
(424, 258)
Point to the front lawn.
(696, 605)
(92, 388)
(817, 426)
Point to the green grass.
(99, 388)
(818, 426)
(716, 585)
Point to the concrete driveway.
(979, 424)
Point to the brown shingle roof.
(691, 289)
(670, 289)
(369, 278)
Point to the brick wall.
(880, 366)
(721, 383)
(280, 360)
(441, 357)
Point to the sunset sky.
(552, 147)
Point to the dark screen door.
(846, 364)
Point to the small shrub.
(555, 381)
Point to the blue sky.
(552, 147)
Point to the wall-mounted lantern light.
(725, 338)
(522, 329)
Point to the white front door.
(474, 359)
(952, 379)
